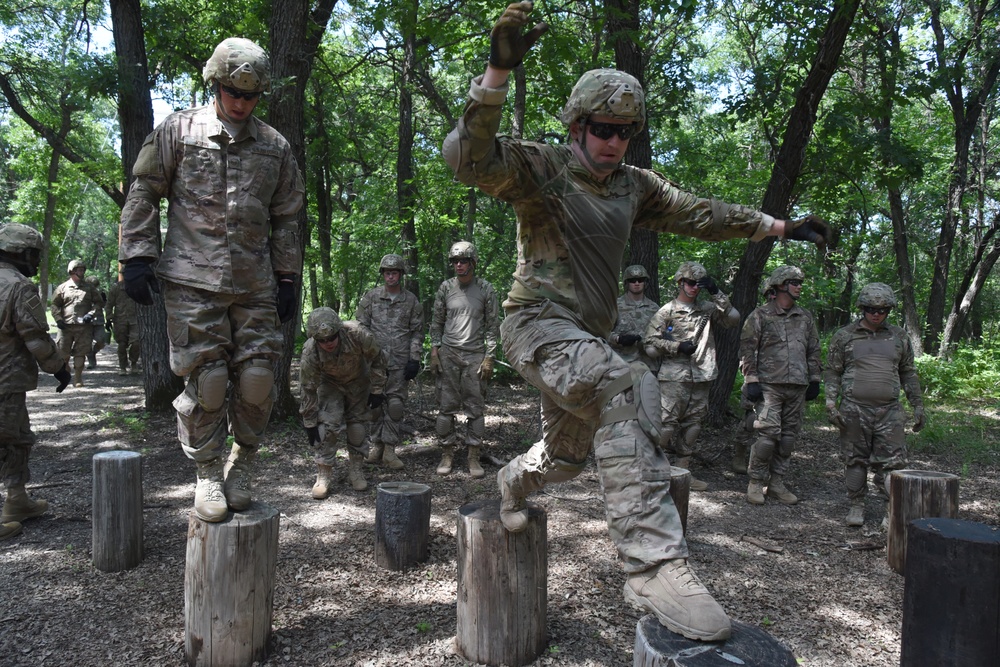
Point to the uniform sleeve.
(724, 314)
(416, 331)
(438, 315)
(377, 360)
(56, 307)
(908, 374)
(140, 220)
(656, 345)
(34, 330)
(834, 367)
(749, 340)
(491, 319)
(309, 381)
(364, 314)
(814, 354)
(286, 202)
(112, 300)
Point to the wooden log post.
(917, 494)
(502, 586)
(116, 511)
(680, 492)
(229, 587)
(402, 524)
(655, 646)
(951, 594)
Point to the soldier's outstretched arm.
(508, 42)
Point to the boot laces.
(211, 490)
(683, 575)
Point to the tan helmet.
(463, 250)
(239, 63)
(691, 271)
(393, 262)
(635, 271)
(93, 280)
(876, 295)
(15, 238)
(606, 92)
(76, 264)
(323, 323)
(782, 274)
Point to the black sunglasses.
(604, 131)
(636, 280)
(796, 283)
(328, 339)
(876, 311)
(239, 94)
(688, 282)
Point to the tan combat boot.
(78, 371)
(679, 600)
(209, 497)
(19, 506)
(776, 489)
(390, 459)
(9, 529)
(354, 473)
(696, 484)
(856, 515)
(447, 453)
(475, 468)
(755, 492)
(739, 463)
(374, 452)
(324, 477)
(513, 508)
(237, 473)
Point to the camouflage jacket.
(779, 346)
(633, 316)
(70, 302)
(121, 307)
(25, 343)
(677, 322)
(231, 219)
(466, 317)
(398, 324)
(358, 356)
(870, 367)
(572, 228)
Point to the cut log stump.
(402, 524)
(655, 646)
(229, 587)
(951, 594)
(502, 586)
(680, 492)
(117, 511)
(917, 494)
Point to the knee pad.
(444, 425)
(394, 407)
(256, 380)
(645, 406)
(786, 446)
(763, 449)
(355, 434)
(211, 384)
(477, 427)
(691, 435)
(560, 470)
(855, 478)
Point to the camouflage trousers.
(343, 410)
(777, 421)
(100, 337)
(872, 437)
(16, 439)
(75, 340)
(388, 417)
(129, 343)
(549, 348)
(459, 387)
(213, 330)
(684, 405)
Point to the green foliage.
(971, 373)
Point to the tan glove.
(486, 369)
(507, 45)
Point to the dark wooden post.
(117, 510)
(229, 587)
(951, 594)
(680, 492)
(655, 646)
(502, 586)
(917, 494)
(402, 524)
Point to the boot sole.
(783, 502)
(643, 604)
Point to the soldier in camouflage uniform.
(396, 318)
(24, 346)
(635, 310)
(780, 361)
(464, 330)
(123, 320)
(234, 192)
(74, 308)
(100, 335)
(576, 205)
(680, 336)
(342, 378)
(868, 362)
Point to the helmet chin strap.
(594, 166)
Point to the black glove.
(687, 348)
(64, 377)
(812, 391)
(139, 279)
(313, 433)
(88, 318)
(811, 228)
(708, 283)
(109, 324)
(628, 339)
(507, 45)
(286, 299)
(754, 392)
(60, 324)
(375, 400)
(411, 370)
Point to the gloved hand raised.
(754, 392)
(811, 228)
(139, 280)
(708, 284)
(411, 369)
(64, 377)
(508, 45)
(687, 348)
(625, 340)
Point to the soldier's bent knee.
(256, 379)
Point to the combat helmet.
(323, 323)
(876, 295)
(635, 271)
(15, 238)
(781, 275)
(606, 92)
(690, 271)
(392, 262)
(76, 264)
(463, 250)
(239, 63)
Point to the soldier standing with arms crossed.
(576, 204)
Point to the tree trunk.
(406, 189)
(972, 284)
